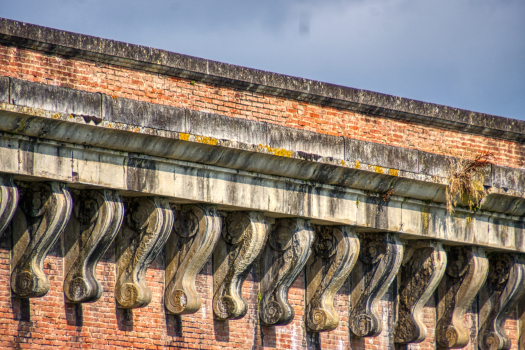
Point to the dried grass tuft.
(465, 181)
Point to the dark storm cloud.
(467, 53)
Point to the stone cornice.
(144, 58)
(95, 120)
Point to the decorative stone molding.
(286, 253)
(242, 239)
(379, 260)
(423, 267)
(335, 251)
(41, 217)
(501, 293)
(8, 200)
(466, 272)
(97, 217)
(147, 225)
(195, 235)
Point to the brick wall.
(50, 322)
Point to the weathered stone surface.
(97, 217)
(285, 255)
(499, 296)
(151, 115)
(508, 178)
(311, 145)
(4, 89)
(380, 257)
(146, 227)
(45, 160)
(466, 272)
(195, 234)
(8, 201)
(54, 98)
(242, 239)
(391, 157)
(220, 127)
(41, 217)
(423, 267)
(335, 251)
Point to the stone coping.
(96, 120)
(145, 58)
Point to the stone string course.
(51, 322)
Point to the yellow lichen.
(378, 169)
(343, 163)
(206, 140)
(184, 136)
(393, 172)
(357, 164)
(56, 116)
(281, 152)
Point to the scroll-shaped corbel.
(147, 224)
(335, 252)
(97, 217)
(466, 272)
(285, 255)
(195, 234)
(422, 269)
(380, 257)
(242, 239)
(503, 290)
(39, 220)
(8, 200)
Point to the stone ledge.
(237, 156)
(144, 58)
(59, 114)
(133, 174)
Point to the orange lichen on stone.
(281, 152)
(184, 136)
(378, 169)
(206, 140)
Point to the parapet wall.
(83, 117)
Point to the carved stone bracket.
(146, 227)
(195, 234)
(97, 217)
(8, 200)
(39, 220)
(466, 272)
(243, 237)
(423, 267)
(379, 260)
(285, 255)
(503, 290)
(335, 251)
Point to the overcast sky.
(462, 53)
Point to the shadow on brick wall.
(222, 330)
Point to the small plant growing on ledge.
(465, 181)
